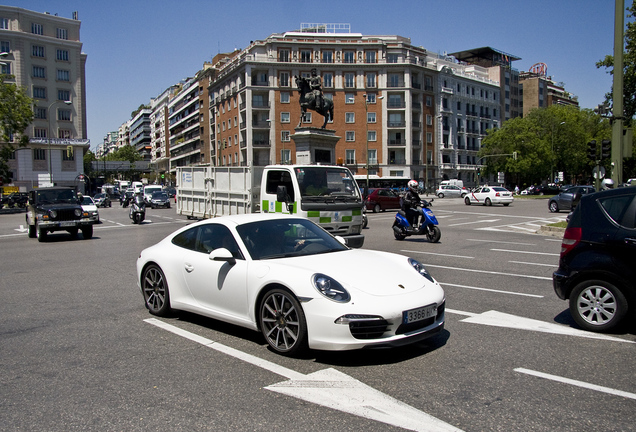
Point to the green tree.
(125, 153)
(16, 114)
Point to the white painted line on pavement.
(488, 272)
(525, 252)
(492, 290)
(438, 254)
(535, 264)
(577, 383)
(472, 222)
(504, 242)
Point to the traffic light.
(591, 150)
(606, 149)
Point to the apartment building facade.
(389, 104)
(43, 53)
(540, 91)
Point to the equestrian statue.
(311, 97)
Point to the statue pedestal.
(315, 145)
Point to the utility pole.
(617, 94)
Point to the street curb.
(12, 210)
(551, 231)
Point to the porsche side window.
(186, 239)
(214, 237)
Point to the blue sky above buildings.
(136, 49)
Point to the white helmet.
(607, 184)
(413, 185)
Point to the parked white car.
(489, 195)
(449, 191)
(283, 276)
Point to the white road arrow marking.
(21, 229)
(500, 319)
(472, 222)
(329, 388)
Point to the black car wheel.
(440, 195)
(376, 208)
(87, 232)
(155, 289)
(467, 201)
(488, 202)
(282, 322)
(554, 207)
(32, 233)
(40, 233)
(597, 305)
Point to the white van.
(452, 182)
(149, 189)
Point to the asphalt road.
(77, 351)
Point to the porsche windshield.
(327, 182)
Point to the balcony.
(416, 85)
(397, 161)
(396, 124)
(397, 142)
(256, 142)
(416, 124)
(396, 104)
(416, 105)
(448, 90)
(260, 104)
(262, 124)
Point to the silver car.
(449, 191)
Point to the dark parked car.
(549, 189)
(596, 269)
(382, 199)
(159, 199)
(563, 201)
(102, 200)
(16, 199)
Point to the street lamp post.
(67, 102)
(552, 158)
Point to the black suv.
(596, 269)
(56, 209)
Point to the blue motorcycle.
(402, 228)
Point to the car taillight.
(571, 238)
(497, 194)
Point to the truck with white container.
(326, 194)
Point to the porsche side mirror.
(222, 254)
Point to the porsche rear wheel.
(282, 322)
(155, 290)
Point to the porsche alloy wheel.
(155, 290)
(282, 322)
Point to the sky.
(136, 49)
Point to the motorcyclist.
(607, 184)
(411, 201)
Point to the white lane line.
(437, 254)
(535, 264)
(577, 383)
(488, 272)
(330, 388)
(473, 222)
(491, 290)
(504, 242)
(525, 252)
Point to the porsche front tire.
(282, 322)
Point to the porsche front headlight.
(419, 267)
(330, 288)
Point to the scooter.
(137, 212)
(428, 225)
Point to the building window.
(392, 58)
(37, 29)
(307, 117)
(370, 98)
(40, 113)
(284, 79)
(63, 95)
(349, 98)
(372, 136)
(39, 72)
(63, 75)
(394, 80)
(38, 51)
(327, 80)
(429, 137)
(284, 136)
(284, 117)
(66, 156)
(285, 156)
(371, 117)
(350, 80)
(62, 33)
(371, 80)
(39, 92)
(349, 57)
(284, 97)
(5, 69)
(4, 24)
(5, 46)
(327, 56)
(283, 55)
(39, 154)
(61, 55)
(370, 57)
(39, 132)
(429, 101)
(372, 157)
(350, 136)
(350, 157)
(350, 117)
(429, 120)
(305, 56)
(63, 114)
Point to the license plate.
(67, 224)
(419, 314)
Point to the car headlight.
(52, 214)
(419, 267)
(330, 288)
(78, 212)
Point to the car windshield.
(100, 195)
(66, 196)
(159, 195)
(87, 200)
(320, 182)
(287, 238)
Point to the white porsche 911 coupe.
(293, 281)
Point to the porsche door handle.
(188, 267)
